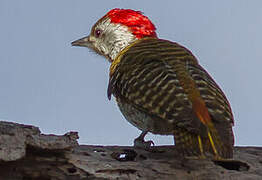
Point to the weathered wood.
(25, 153)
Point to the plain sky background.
(47, 83)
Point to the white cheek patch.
(115, 37)
(120, 38)
(104, 50)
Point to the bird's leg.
(139, 142)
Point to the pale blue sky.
(47, 83)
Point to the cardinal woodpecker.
(160, 87)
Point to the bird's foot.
(141, 143)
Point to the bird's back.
(164, 82)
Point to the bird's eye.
(98, 32)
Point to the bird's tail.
(186, 142)
(220, 140)
(191, 144)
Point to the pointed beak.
(84, 42)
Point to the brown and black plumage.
(160, 87)
(163, 80)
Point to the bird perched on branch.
(160, 87)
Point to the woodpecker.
(160, 87)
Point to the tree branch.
(25, 153)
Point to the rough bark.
(25, 153)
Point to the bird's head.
(115, 31)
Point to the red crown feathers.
(139, 24)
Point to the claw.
(143, 144)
